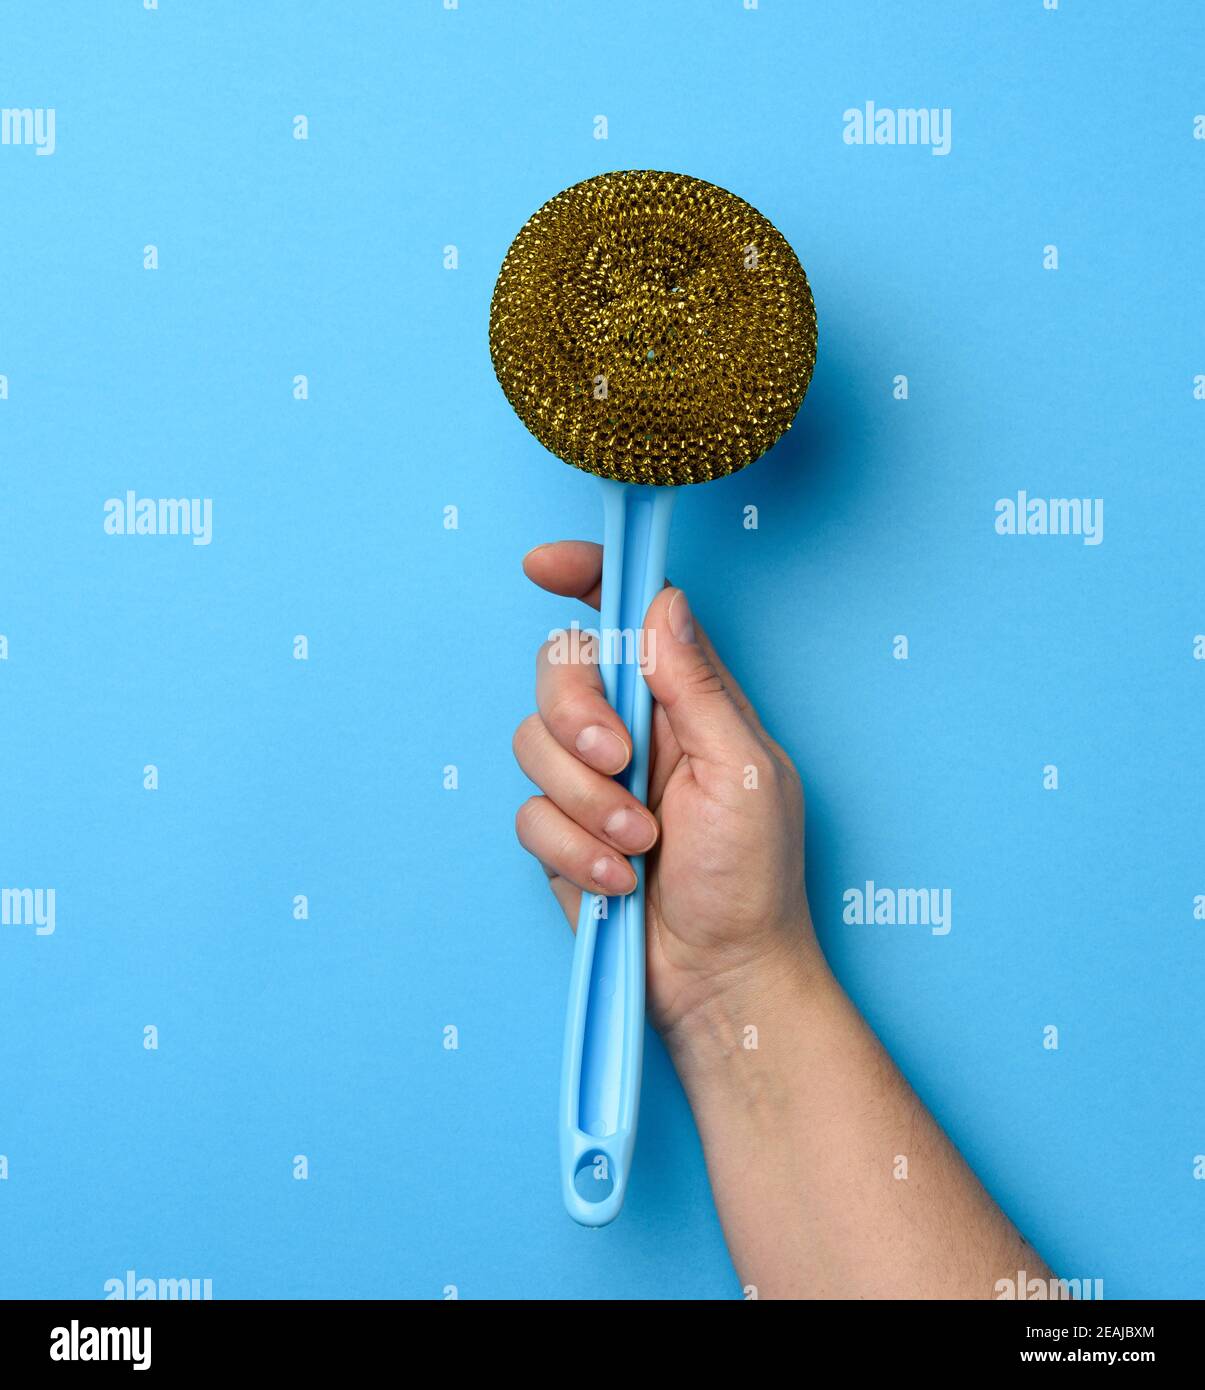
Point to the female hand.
(725, 902)
(804, 1131)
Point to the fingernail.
(533, 550)
(612, 875)
(629, 829)
(601, 748)
(681, 624)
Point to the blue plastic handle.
(604, 1023)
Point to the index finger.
(570, 568)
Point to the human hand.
(804, 1131)
(726, 910)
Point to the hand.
(803, 1133)
(725, 902)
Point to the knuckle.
(584, 651)
(567, 710)
(566, 851)
(767, 775)
(771, 772)
(528, 818)
(569, 647)
(787, 785)
(525, 736)
(787, 772)
(702, 679)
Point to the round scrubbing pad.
(653, 328)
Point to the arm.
(830, 1178)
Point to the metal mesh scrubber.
(653, 328)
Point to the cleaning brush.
(654, 330)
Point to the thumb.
(703, 714)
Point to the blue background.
(431, 1167)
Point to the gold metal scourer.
(653, 328)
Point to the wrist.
(749, 1015)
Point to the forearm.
(830, 1177)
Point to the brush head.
(653, 328)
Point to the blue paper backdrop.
(430, 128)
